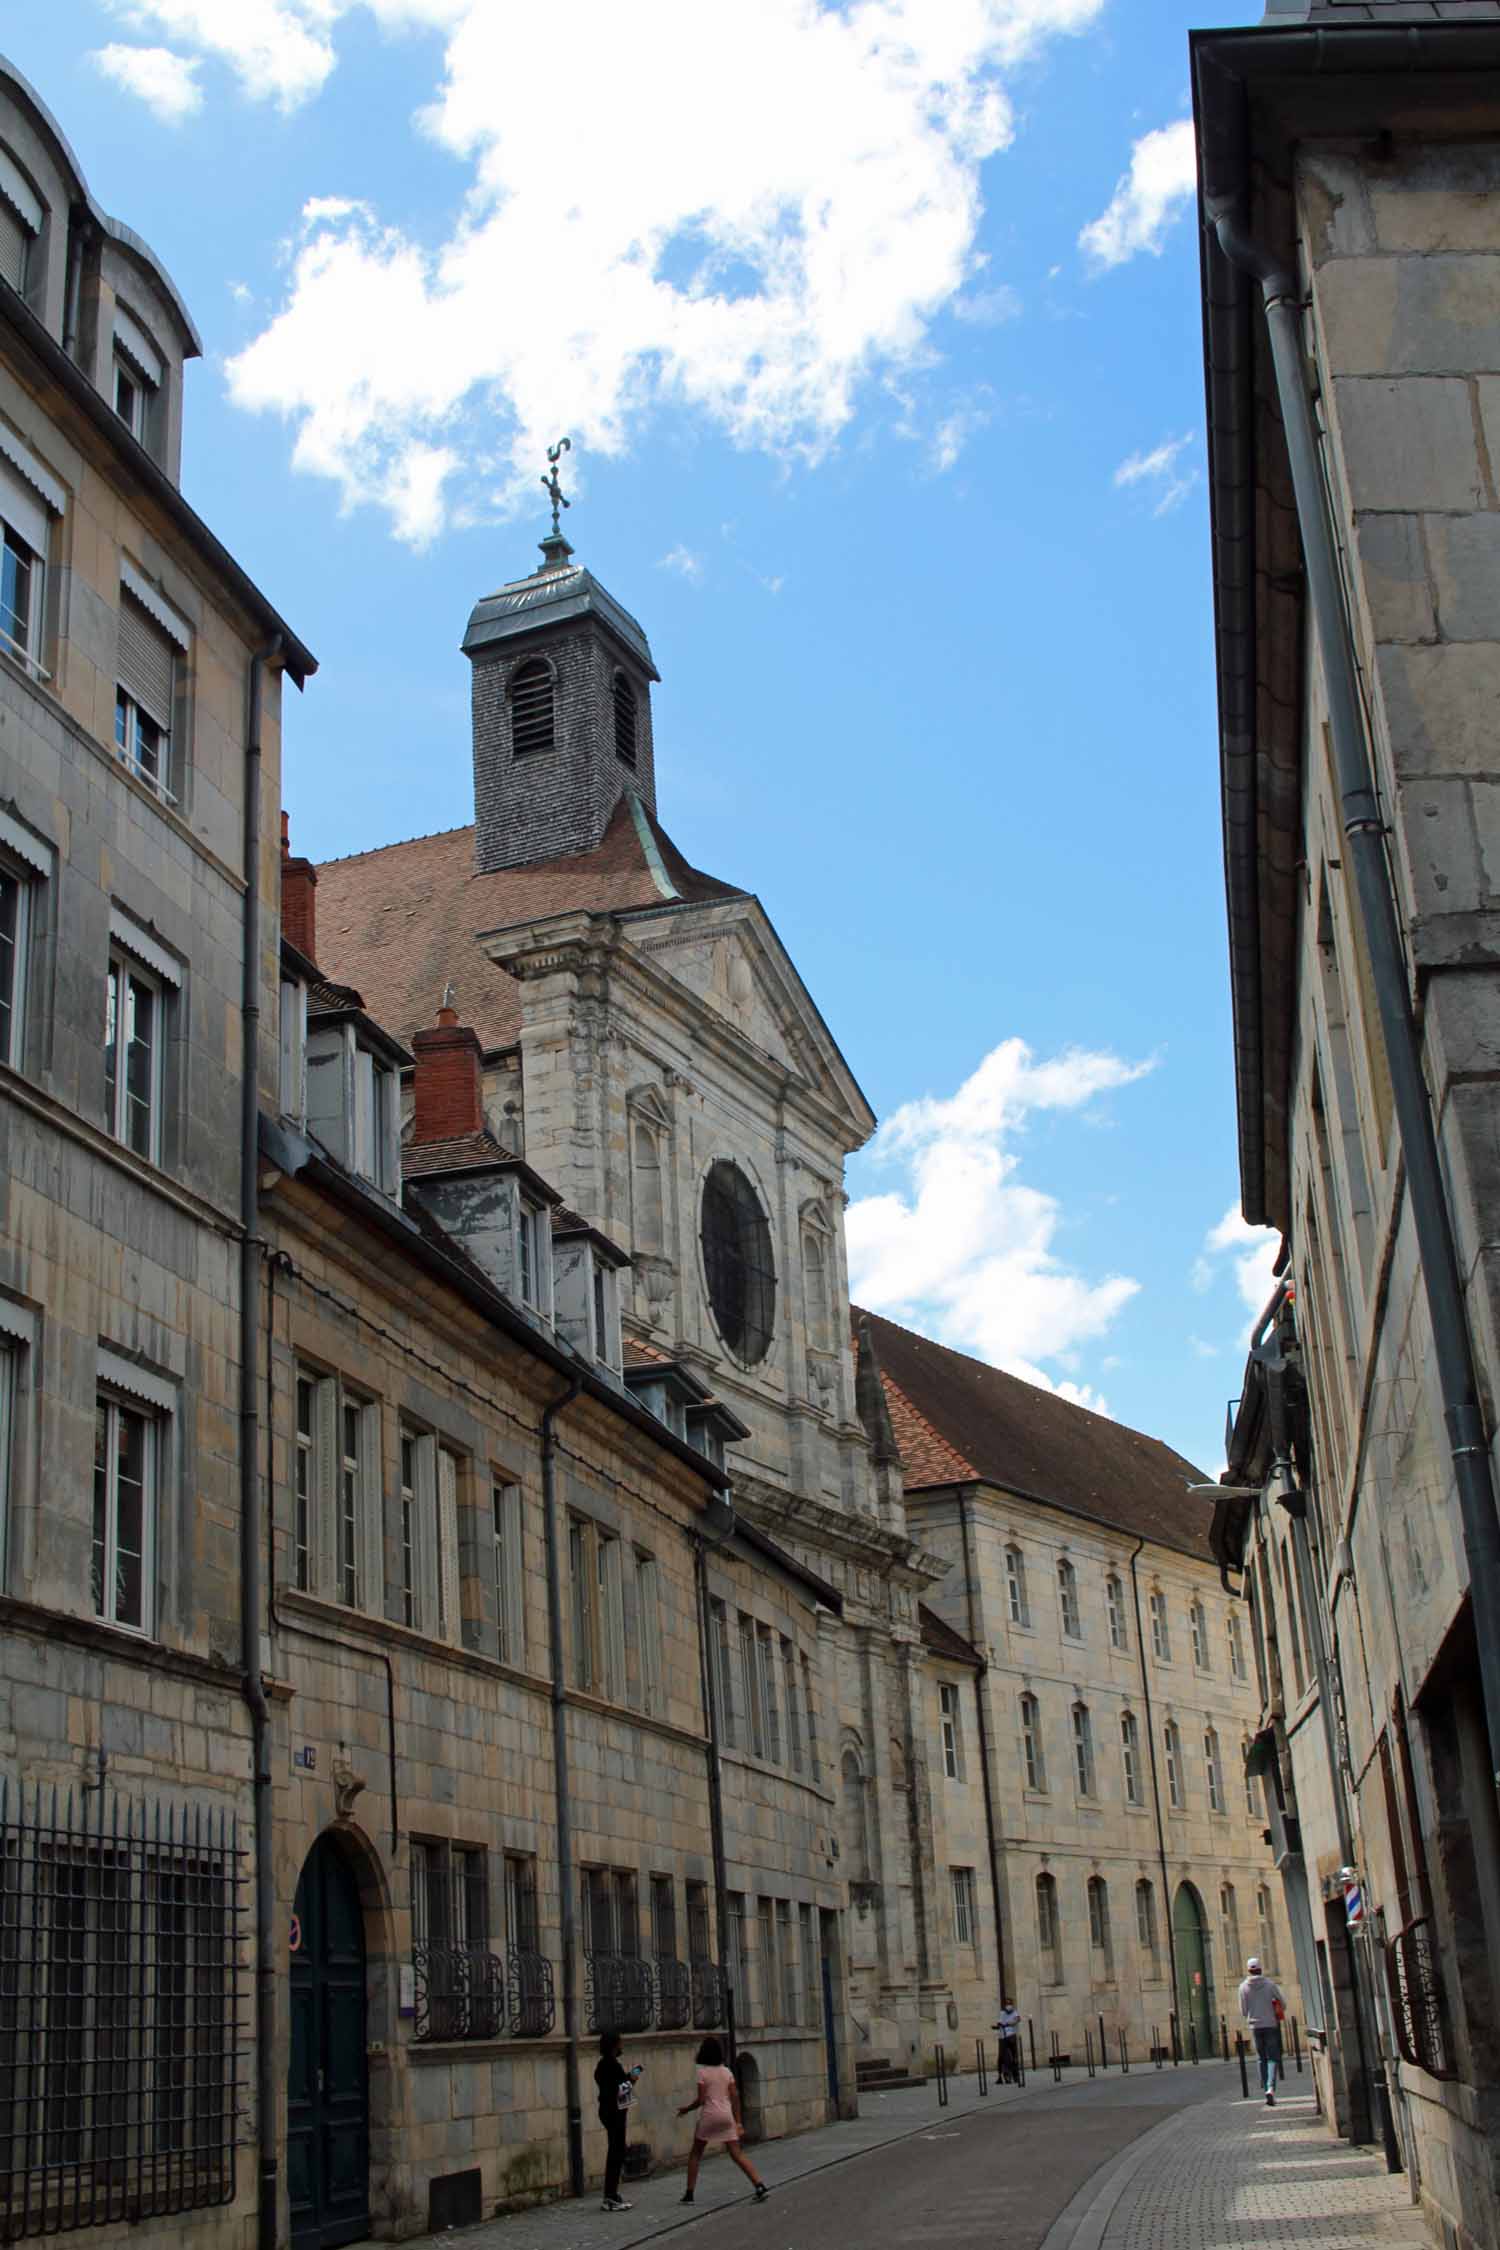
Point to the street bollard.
(1031, 2038)
(1193, 2038)
(1156, 2047)
(1297, 2046)
(1056, 2061)
(1088, 2049)
(1239, 2049)
(1176, 2041)
(940, 2061)
(1124, 2057)
(984, 2083)
(1103, 2050)
(1224, 2033)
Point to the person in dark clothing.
(616, 2085)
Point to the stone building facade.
(1348, 166)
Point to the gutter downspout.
(1161, 1832)
(252, 1620)
(1365, 831)
(568, 1910)
(980, 1691)
(715, 1779)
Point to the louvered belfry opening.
(533, 711)
(625, 720)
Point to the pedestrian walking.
(1264, 2008)
(616, 2087)
(719, 2125)
(1009, 2028)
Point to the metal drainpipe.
(1161, 1832)
(715, 1782)
(251, 1602)
(567, 1904)
(1365, 831)
(984, 1749)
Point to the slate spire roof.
(959, 1421)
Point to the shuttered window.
(625, 720)
(146, 664)
(15, 241)
(532, 722)
(21, 216)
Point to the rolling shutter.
(14, 242)
(145, 662)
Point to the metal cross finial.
(448, 995)
(552, 485)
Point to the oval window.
(737, 1262)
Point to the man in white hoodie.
(1263, 2006)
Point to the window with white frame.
(1172, 1744)
(1048, 1929)
(353, 1103)
(127, 1445)
(24, 542)
(510, 1571)
(965, 1918)
(1015, 1587)
(648, 1630)
(1067, 1597)
(1114, 1595)
(793, 1704)
(1145, 1918)
(152, 642)
(15, 936)
(1161, 1638)
(532, 1230)
(137, 374)
(1236, 1634)
(953, 1749)
(1130, 1756)
(293, 1028)
(1099, 1932)
(765, 1651)
(338, 1538)
(1031, 1743)
(1198, 1627)
(750, 1696)
(429, 1535)
(1213, 1769)
(135, 1054)
(22, 216)
(598, 1598)
(1083, 1750)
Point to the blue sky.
(876, 330)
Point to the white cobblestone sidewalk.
(1235, 2175)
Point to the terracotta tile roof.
(645, 1355)
(940, 1637)
(403, 920)
(960, 1421)
(466, 1153)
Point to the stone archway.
(747, 2076)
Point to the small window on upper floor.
(22, 214)
(26, 865)
(136, 377)
(626, 720)
(293, 1049)
(142, 986)
(152, 643)
(533, 708)
(353, 1104)
(27, 494)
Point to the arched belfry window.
(737, 1262)
(533, 708)
(626, 720)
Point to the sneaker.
(761, 2191)
(688, 2197)
(1270, 2101)
(614, 2203)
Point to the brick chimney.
(299, 883)
(448, 1082)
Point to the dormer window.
(528, 1258)
(626, 720)
(353, 1100)
(585, 1289)
(137, 377)
(293, 1049)
(21, 216)
(533, 708)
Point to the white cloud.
(964, 1249)
(988, 308)
(166, 83)
(1161, 468)
(684, 561)
(643, 238)
(1163, 175)
(1252, 1252)
(957, 427)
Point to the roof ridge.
(397, 844)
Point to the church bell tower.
(561, 699)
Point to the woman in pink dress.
(717, 2102)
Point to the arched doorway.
(1195, 1976)
(747, 2075)
(328, 2094)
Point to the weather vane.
(552, 485)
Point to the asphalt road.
(996, 2177)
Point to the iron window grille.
(737, 1262)
(122, 2043)
(619, 1991)
(709, 2009)
(461, 1985)
(674, 1993)
(1417, 2005)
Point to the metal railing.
(1417, 2000)
(121, 2040)
(468, 1992)
(674, 1993)
(618, 1991)
(709, 2008)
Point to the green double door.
(328, 2094)
(1195, 1982)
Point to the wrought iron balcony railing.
(709, 2010)
(618, 1994)
(460, 1992)
(1417, 2000)
(529, 1994)
(674, 1994)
